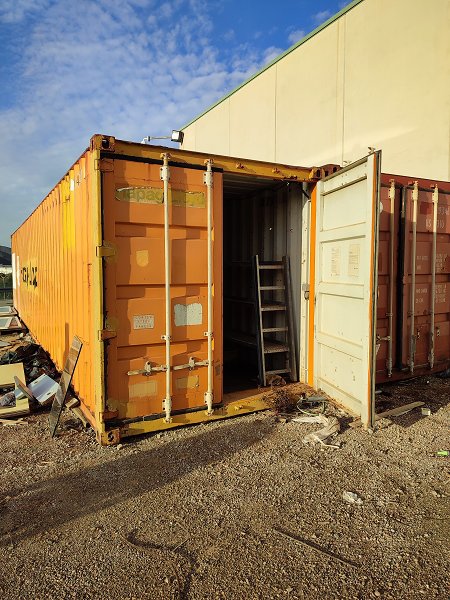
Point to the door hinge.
(106, 334)
(104, 165)
(102, 251)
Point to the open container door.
(345, 285)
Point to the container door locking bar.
(191, 364)
(208, 181)
(148, 369)
(412, 336)
(390, 312)
(431, 356)
(165, 176)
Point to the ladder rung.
(272, 287)
(273, 347)
(274, 329)
(277, 371)
(271, 266)
(275, 306)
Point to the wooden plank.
(8, 372)
(22, 408)
(392, 412)
(18, 421)
(72, 403)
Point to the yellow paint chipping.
(143, 389)
(142, 258)
(187, 383)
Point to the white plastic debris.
(310, 419)
(351, 498)
(44, 389)
(331, 427)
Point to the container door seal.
(346, 246)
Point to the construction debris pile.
(30, 382)
(9, 321)
(24, 362)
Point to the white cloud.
(120, 67)
(271, 54)
(321, 16)
(296, 36)
(229, 35)
(14, 11)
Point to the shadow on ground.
(53, 502)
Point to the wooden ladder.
(273, 280)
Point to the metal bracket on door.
(191, 364)
(148, 369)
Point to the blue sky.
(128, 68)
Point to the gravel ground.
(209, 511)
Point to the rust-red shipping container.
(413, 268)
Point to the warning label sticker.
(335, 261)
(143, 321)
(353, 260)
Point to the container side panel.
(54, 253)
(134, 287)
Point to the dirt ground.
(238, 509)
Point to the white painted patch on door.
(188, 314)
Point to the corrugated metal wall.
(418, 346)
(53, 253)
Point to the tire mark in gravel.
(182, 592)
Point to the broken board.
(63, 388)
(9, 324)
(22, 407)
(392, 412)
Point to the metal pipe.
(391, 276)
(306, 216)
(412, 336)
(433, 275)
(400, 304)
(208, 180)
(165, 176)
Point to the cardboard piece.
(8, 372)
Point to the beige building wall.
(378, 75)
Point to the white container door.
(345, 285)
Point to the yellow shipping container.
(126, 252)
